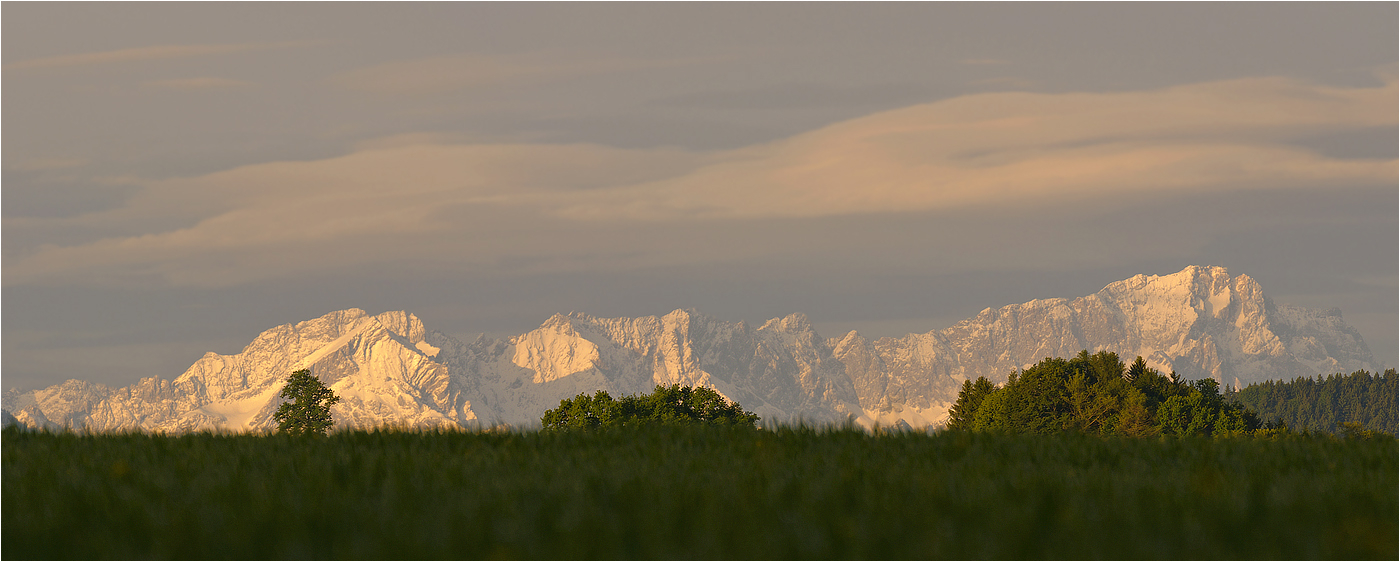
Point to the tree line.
(1336, 404)
(1094, 394)
(673, 404)
(1097, 394)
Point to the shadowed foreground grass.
(674, 493)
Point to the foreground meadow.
(695, 492)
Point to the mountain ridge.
(389, 369)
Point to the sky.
(179, 177)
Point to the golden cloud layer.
(475, 203)
(1017, 148)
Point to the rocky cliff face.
(388, 369)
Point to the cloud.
(47, 164)
(282, 218)
(155, 52)
(1024, 148)
(412, 199)
(797, 95)
(198, 84)
(438, 75)
(1006, 83)
(412, 139)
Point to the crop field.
(695, 492)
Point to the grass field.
(681, 493)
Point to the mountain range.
(388, 369)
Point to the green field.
(695, 492)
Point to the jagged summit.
(389, 369)
(795, 322)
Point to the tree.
(684, 404)
(309, 412)
(673, 404)
(1184, 416)
(584, 412)
(1325, 404)
(1097, 394)
(970, 398)
(1138, 369)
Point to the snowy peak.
(851, 341)
(403, 325)
(1191, 293)
(555, 350)
(1200, 322)
(792, 323)
(375, 363)
(58, 406)
(383, 370)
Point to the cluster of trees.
(673, 404)
(1333, 404)
(1098, 394)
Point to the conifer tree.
(970, 398)
(309, 412)
(1138, 369)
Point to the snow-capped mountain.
(380, 367)
(1199, 322)
(389, 370)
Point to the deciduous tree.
(665, 405)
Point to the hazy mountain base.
(695, 492)
(389, 370)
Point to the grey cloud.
(453, 73)
(155, 52)
(787, 96)
(1361, 143)
(45, 164)
(200, 83)
(32, 194)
